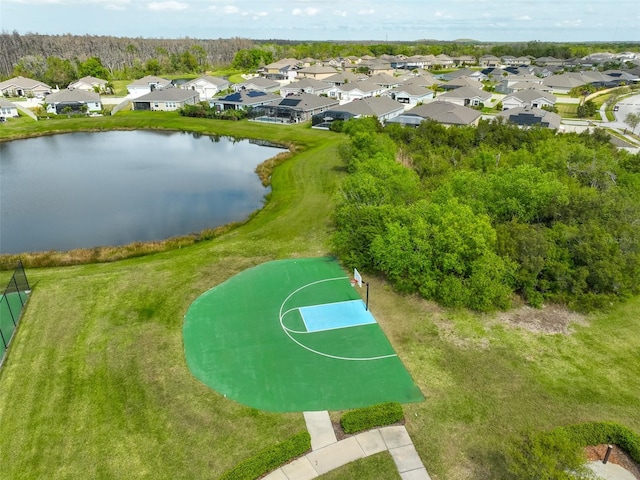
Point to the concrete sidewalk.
(328, 454)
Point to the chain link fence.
(12, 302)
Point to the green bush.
(270, 458)
(371, 417)
(596, 433)
(558, 454)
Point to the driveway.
(625, 106)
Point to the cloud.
(169, 5)
(305, 12)
(369, 11)
(569, 23)
(524, 18)
(340, 13)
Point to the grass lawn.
(567, 110)
(96, 384)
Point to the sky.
(377, 20)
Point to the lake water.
(82, 190)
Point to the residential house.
(165, 100)
(531, 117)
(356, 91)
(466, 96)
(260, 84)
(409, 94)
(285, 69)
(319, 72)
(207, 86)
(24, 87)
(424, 80)
(489, 61)
(563, 83)
(549, 62)
(7, 109)
(445, 113)
(89, 84)
(515, 83)
(73, 101)
(295, 108)
(531, 98)
(385, 80)
(148, 84)
(340, 78)
(464, 60)
(461, 82)
(244, 99)
(419, 61)
(444, 61)
(383, 108)
(306, 85)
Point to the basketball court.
(292, 336)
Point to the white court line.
(336, 357)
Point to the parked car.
(615, 109)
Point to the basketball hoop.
(354, 282)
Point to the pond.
(83, 190)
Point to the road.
(626, 106)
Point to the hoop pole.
(367, 304)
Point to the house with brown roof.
(319, 72)
(285, 69)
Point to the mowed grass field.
(96, 384)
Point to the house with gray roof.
(260, 84)
(466, 96)
(306, 85)
(532, 98)
(244, 99)
(409, 94)
(89, 84)
(385, 80)
(148, 84)
(7, 109)
(356, 91)
(531, 117)
(24, 87)
(461, 82)
(206, 86)
(340, 78)
(489, 61)
(445, 113)
(166, 100)
(383, 108)
(73, 101)
(294, 108)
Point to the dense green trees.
(470, 216)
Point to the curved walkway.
(328, 454)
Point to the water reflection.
(89, 189)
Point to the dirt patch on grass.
(549, 320)
(618, 456)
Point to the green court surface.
(10, 307)
(292, 336)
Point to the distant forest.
(56, 58)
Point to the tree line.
(470, 217)
(120, 56)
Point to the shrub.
(371, 417)
(270, 458)
(558, 454)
